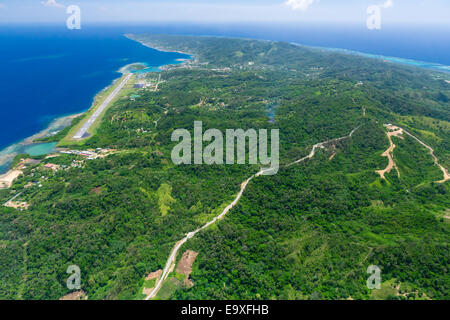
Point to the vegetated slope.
(308, 232)
(312, 231)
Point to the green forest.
(309, 232)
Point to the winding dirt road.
(436, 160)
(170, 264)
(389, 153)
(397, 132)
(322, 145)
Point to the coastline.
(8, 154)
(388, 59)
(7, 179)
(58, 123)
(434, 66)
(162, 49)
(61, 122)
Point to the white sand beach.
(7, 179)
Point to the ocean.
(49, 71)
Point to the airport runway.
(80, 134)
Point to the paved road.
(171, 261)
(80, 134)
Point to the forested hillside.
(309, 232)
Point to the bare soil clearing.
(334, 153)
(77, 295)
(17, 205)
(7, 179)
(154, 275)
(398, 132)
(186, 262)
(447, 214)
(96, 190)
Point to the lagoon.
(40, 149)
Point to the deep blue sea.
(49, 71)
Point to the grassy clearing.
(164, 198)
(204, 218)
(168, 288)
(150, 283)
(387, 291)
(393, 289)
(147, 284)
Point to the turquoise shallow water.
(408, 62)
(40, 149)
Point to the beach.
(8, 178)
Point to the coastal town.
(138, 82)
(35, 172)
(30, 173)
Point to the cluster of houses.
(89, 154)
(226, 69)
(14, 173)
(52, 166)
(83, 153)
(151, 84)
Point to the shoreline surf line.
(425, 65)
(8, 154)
(434, 66)
(60, 122)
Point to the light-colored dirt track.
(389, 153)
(170, 264)
(436, 160)
(398, 132)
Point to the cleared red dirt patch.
(185, 266)
(154, 275)
(77, 295)
(186, 262)
(96, 190)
